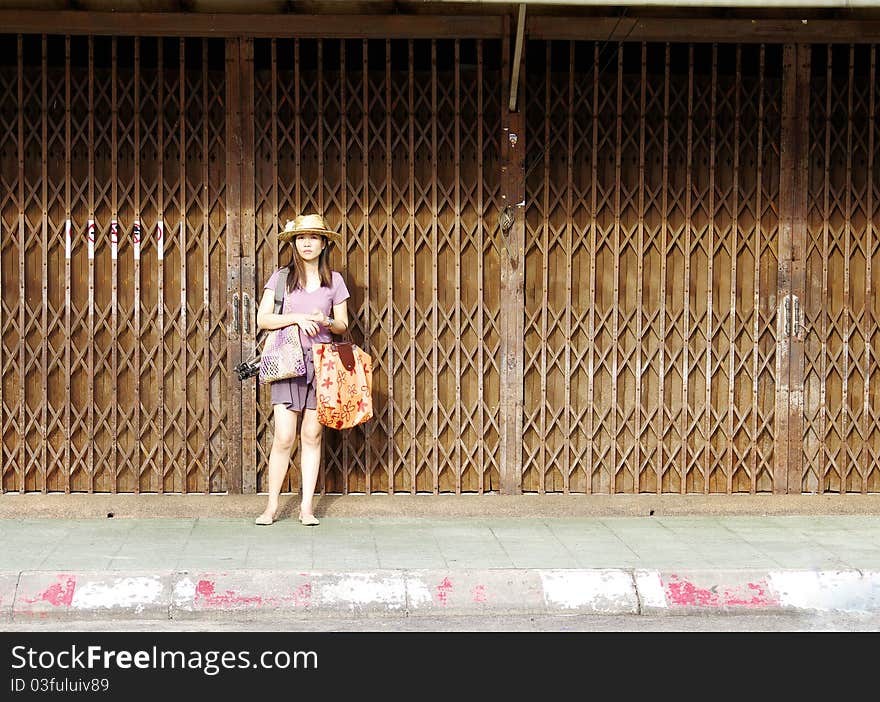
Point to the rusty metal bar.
(206, 270)
(869, 248)
(640, 272)
(223, 25)
(591, 428)
(22, 458)
(869, 291)
(481, 333)
(246, 251)
(661, 381)
(615, 314)
(365, 241)
(708, 456)
(734, 247)
(68, 468)
(114, 236)
(137, 268)
(435, 411)
(184, 296)
(756, 302)
(298, 120)
(321, 180)
(44, 267)
(845, 467)
(569, 209)
(686, 316)
(389, 271)
(412, 260)
(783, 349)
(801, 182)
(90, 244)
(234, 155)
(544, 248)
(343, 110)
(826, 190)
(160, 231)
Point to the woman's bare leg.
(279, 457)
(310, 455)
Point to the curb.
(271, 594)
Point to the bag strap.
(280, 286)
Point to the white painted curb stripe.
(598, 590)
(359, 589)
(846, 591)
(649, 585)
(134, 592)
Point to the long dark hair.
(296, 276)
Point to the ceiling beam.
(268, 25)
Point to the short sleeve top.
(302, 301)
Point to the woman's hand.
(310, 324)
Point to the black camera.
(248, 369)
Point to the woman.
(315, 300)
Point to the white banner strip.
(160, 238)
(67, 225)
(114, 238)
(136, 238)
(90, 236)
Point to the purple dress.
(299, 393)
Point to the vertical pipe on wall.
(435, 410)
(389, 275)
(640, 273)
(756, 281)
(114, 266)
(160, 263)
(708, 453)
(68, 468)
(661, 384)
(734, 248)
(184, 294)
(865, 453)
(615, 312)
(411, 205)
(42, 470)
(544, 248)
(137, 274)
(22, 455)
(90, 244)
(591, 427)
(569, 210)
(686, 316)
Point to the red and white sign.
(136, 239)
(90, 237)
(114, 238)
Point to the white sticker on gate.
(114, 238)
(90, 237)
(136, 239)
(160, 238)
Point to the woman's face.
(309, 246)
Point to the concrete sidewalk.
(396, 556)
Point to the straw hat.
(308, 224)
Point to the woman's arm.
(267, 319)
(339, 320)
